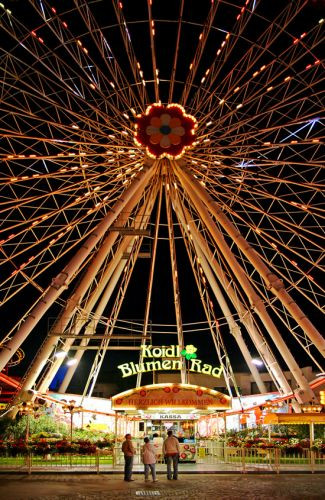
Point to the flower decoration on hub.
(165, 131)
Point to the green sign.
(163, 358)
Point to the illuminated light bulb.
(269, 88)
(72, 362)
(239, 106)
(221, 101)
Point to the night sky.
(162, 308)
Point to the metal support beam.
(234, 328)
(274, 283)
(177, 303)
(197, 196)
(150, 282)
(63, 279)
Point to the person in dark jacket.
(129, 452)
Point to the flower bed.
(44, 447)
(292, 446)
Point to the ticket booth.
(158, 408)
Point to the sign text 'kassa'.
(163, 358)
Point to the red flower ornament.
(165, 131)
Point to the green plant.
(42, 426)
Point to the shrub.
(18, 447)
(86, 447)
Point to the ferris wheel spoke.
(250, 58)
(176, 54)
(199, 52)
(133, 61)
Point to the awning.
(294, 418)
(171, 396)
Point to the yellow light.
(322, 397)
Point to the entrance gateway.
(177, 407)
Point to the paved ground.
(191, 486)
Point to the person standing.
(171, 452)
(149, 460)
(129, 452)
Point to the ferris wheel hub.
(165, 131)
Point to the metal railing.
(210, 456)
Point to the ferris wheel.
(115, 113)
